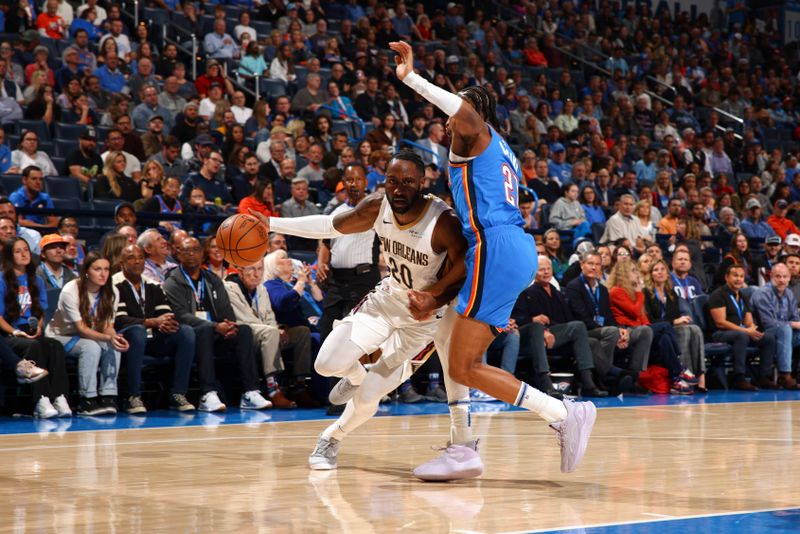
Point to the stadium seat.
(11, 182)
(38, 126)
(156, 15)
(262, 28)
(64, 147)
(59, 162)
(272, 88)
(64, 131)
(67, 203)
(63, 187)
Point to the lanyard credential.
(739, 309)
(199, 294)
(662, 302)
(138, 296)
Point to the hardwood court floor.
(643, 463)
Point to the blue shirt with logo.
(20, 199)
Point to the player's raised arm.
(469, 122)
(359, 219)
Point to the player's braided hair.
(483, 102)
(413, 157)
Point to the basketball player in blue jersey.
(501, 261)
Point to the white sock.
(356, 373)
(545, 406)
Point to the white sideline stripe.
(644, 521)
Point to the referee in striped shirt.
(348, 264)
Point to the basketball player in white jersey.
(419, 234)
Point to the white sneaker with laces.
(455, 463)
(573, 433)
(62, 406)
(253, 400)
(343, 391)
(44, 409)
(324, 455)
(28, 372)
(210, 403)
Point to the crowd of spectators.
(661, 148)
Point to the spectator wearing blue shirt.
(85, 21)
(111, 78)
(754, 226)
(218, 44)
(591, 207)
(354, 11)
(150, 108)
(205, 179)
(557, 166)
(30, 195)
(403, 25)
(5, 153)
(645, 168)
(776, 309)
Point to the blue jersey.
(486, 190)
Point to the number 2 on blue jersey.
(511, 182)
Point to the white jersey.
(407, 249)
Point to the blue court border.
(781, 521)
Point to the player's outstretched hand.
(404, 58)
(421, 304)
(261, 217)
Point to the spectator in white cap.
(792, 244)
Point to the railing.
(422, 148)
(179, 44)
(354, 119)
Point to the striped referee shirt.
(351, 250)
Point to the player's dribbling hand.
(261, 217)
(421, 304)
(404, 59)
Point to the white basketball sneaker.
(210, 403)
(573, 433)
(44, 409)
(456, 462)
(324, 455)
(253, 400)
(343, 391)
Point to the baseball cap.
(781, 204)
(773, 240)
(123, 205)
(557, 147)
(156, 116)
(40, 49)
(451, 59)
(191, 105)
(290, 6)
(204, 140)
(89, 134)
(215, 84)
(30, 36)
(752, 203)
(51, 239)
(509, 83)
(663, 152)
(793, 240)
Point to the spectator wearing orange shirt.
(50, 24)
(782, 225)
(534, 56)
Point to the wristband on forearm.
(310, 227)
(442, 99)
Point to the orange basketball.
(243, 240)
